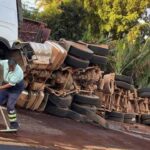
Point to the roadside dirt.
(49, 132)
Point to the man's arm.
(6, 86)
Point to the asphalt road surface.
(42, 131)
(5, 147)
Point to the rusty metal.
(60, 92)
(61, 82)
(31, 30)
(109, 81)
(87, 79)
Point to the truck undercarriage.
(63, 83)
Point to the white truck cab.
(9, 22)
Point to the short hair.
(12, 62)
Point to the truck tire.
(60, 112)
(99, 50)
(98, 60)
(114, 114)
(87, 99)
(65, 113)
(91, 115)
(124, 85)
(61, 102)
(77, 117)
(83, 53)
(130, 121)
(144, 94)
(89, 107)
(115, 119)
(81, 109)
(146, 122)
(130, 118)
(143, 90)
(145, 117)
(127, 79)
(76, 62)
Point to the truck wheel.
(89, 107)
(115, 119)
(144, 94)
(130, 121)
(124, 85)
(98, 60)
(87, 99)
(61, 102)
(77, 117)
(65, 113)
(83, 52)
(114, 114)
(76, 62)
(81, 109)
(99, 50)
(143, 90)
(127, 79)
(60, 112)
(145, 116)
(91, 115)
(130, 118)
(146, 122)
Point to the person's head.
(12, 64)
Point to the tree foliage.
(32, 14)
(65, 18)
(113, 18)
(116, 17)
(132, 55)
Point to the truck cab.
(9, 24)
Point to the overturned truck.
(68, 79)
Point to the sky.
(148, 11)
(31, 3)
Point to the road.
(6, 147)
(43, 131)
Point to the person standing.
(11, 88)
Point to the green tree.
(31, 14)
(116, 17)
(93, 21)
(65, 18)
(104, 18)
(132, 53)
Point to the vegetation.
(133, 59)
(103, 21)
